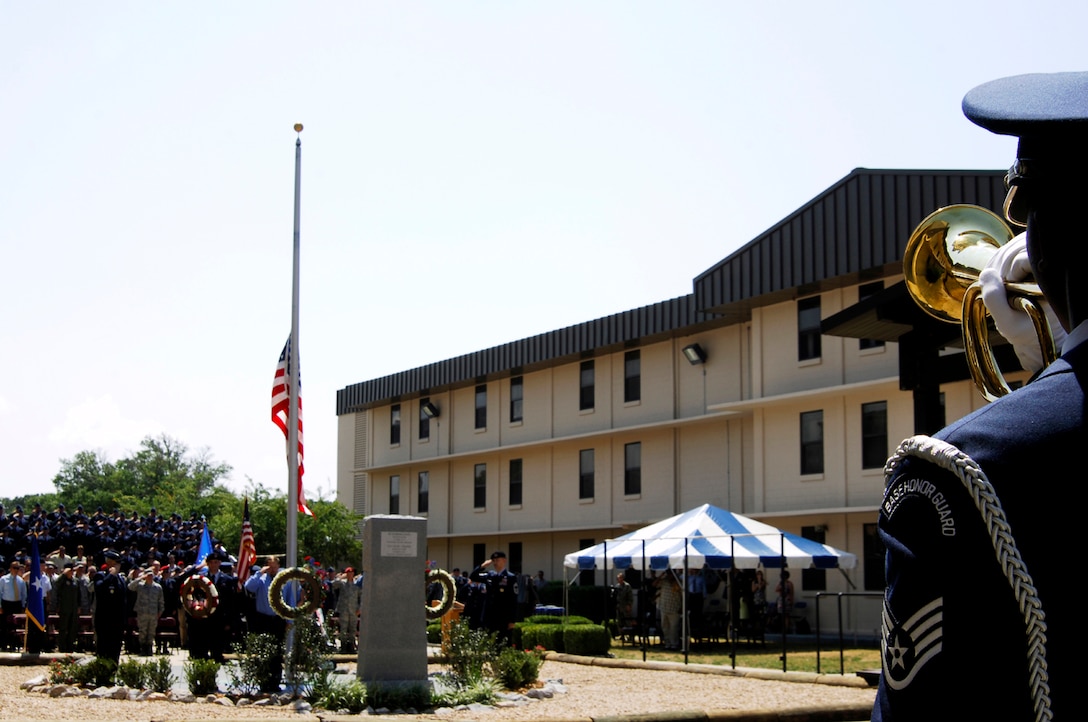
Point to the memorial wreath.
(313, 592)
(449, 592)
(199, 597)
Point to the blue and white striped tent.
(712, 536)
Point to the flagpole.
(293, 362)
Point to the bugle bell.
(944, 257)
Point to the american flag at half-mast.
(247, 553)
(281, 410)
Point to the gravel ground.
(592, 691)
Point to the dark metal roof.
(856, 230)
(603, 335)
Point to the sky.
(473, 173)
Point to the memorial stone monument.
(393, 623)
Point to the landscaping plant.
(518, 668)
(200, 674)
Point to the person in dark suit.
(977, 520)
(209, 636)
(110, 611)
(500, 610)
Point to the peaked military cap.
(1048, 112)
(1033, 105)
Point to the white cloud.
(98, 423)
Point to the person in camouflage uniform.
(349, 597)
(150, 604)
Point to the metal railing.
(838, 596)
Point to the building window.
(424, 492)
(812, 442)
(874, 435)
(867, 290)
(515, 482)
(514, 558)
(517, 391)
(394, 424)
(585, 387)
(394, 494)
(479, 487)
(585, 474)
(424, 420)
(632, 468)
(586, 577)
(873, 554)
(479, 553)
(481, 406)
(808, 328)
(814, 580)
(632, 376)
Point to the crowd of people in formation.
(124, 575)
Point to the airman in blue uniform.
(979, 521)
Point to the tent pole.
(608, 587)
(644, 637)
(781, 580)
(684, 626)
(731, 629)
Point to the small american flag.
(247, 553)
(281, 409)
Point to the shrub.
(350, 696)
(548, 636)
(543, 619)
(399, 696)
(99, 672)
(517, 668)
(587, 601)
(575, 619)
(434, 633)
(308, 659)
(200, 674)
(132, 673)
(471, 650)
(483, 691)
(587, 639)
(159, 677)
(64, 671)
(552, 593)
(258, 667)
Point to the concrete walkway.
(828, 713)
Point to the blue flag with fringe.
(35, 599)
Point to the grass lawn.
(800, 655)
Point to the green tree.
(162, 474)
(329, 536)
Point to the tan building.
(736, 395)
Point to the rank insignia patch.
(907, 647)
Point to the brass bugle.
(944, 257)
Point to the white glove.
(1010, 265)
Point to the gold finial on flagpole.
(298, 127)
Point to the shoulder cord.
(948, 457)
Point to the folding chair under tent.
(708, 535)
